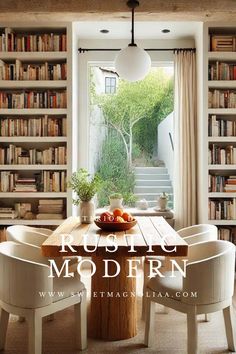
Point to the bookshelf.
(36, 80)
(219, 128)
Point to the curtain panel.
(185, 139)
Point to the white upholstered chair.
(26, 235)
(23, 276)
(192, 235)
(41, 230)
(209, 274)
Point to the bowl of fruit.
(118, 220)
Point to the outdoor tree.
(134, 102)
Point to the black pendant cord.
(132, 44)
(83, 50)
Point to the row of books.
(50, 209)
(222, 155)
(222, 43)
(11, 41)
(33, 126)
(45, 71)
(221, 71)
(221, 183)
(222, 209)
(16, 155)
(33, 99)
(221, 127)
(45, 181)
(45, 210)
(221, 99)
(227, 234)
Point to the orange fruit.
(127, 217)
(119, 219)
(117, 212)
(106, 217)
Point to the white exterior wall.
(165, 152)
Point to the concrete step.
(154, 183)
(151, 196)
(151, 176)
(151, 170)
(153, 189)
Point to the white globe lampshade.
(132, 63)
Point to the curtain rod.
(83, 50)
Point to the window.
(110, 84)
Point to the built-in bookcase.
(35, 123)
(220, 115)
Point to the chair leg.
(34, 334)
(149, 323)
(81, 322)
(230, 327)
(207, 317)
(192, 333)
(145, 281)
(4, 317)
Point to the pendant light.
(132, 63)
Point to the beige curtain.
(185, 139)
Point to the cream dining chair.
(192, 235)
(23, 275)
(210, 275)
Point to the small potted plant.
(116, 200)
(85, 188)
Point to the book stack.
(33, 126)
(230, 185)
(18, 156)
(221, 99)
(221, 71)
(50, 209)
(7, 213)
(221, 127)
(33, 99)
(54, 181)
(222, 209)
(216, 183)
(223, 43)
(10, 41)
(227, 234)
(7, 181)
(222, 155)
(45, 71)
(25, 185)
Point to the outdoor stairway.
(151, 182)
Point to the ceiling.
(143, 30)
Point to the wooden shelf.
(35, 195)
(222, 195)
(13, 84)
(222, 222)
(222, 139)
(224, 84)
(33, 56)
(7, 222)
(33, 111)
(226, 56)
(222, 111)
(32, 167)
(222, 167)
(34, 139)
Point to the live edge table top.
(153, 231)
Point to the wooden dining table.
(113, 312)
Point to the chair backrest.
(22, 234)
(24, 276)
(199, 233)
(42, 230)
(210, 272)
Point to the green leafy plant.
(116, 196)
(84, 185)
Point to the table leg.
(113, 302)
